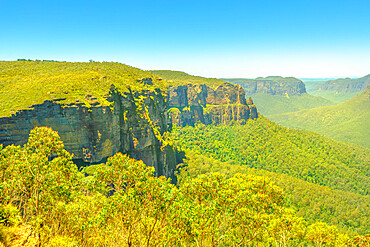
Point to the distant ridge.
(338, 90)
(277, 94)
(274, 85)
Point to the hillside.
(276, 94)
(275, 104)
(316, 172)
(347, 121)
(339, 90)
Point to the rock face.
(96, 133)
(274, 85)
(135, 123)
(192, 103)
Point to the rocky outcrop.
(274, 85)
(198, 102)
(133, 124)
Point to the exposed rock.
(96, 133)
(133, 124)
(191, 103)
(274, 85)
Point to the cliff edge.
(100, 109)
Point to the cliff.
(273, 85)
(208, 100)
(223, 104)
(100, 109)
(96, 133)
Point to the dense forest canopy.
(122, 203)
(315, 171)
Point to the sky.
(223, 39)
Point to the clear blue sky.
(302, 38)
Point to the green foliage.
(9, 215)
(346, 122)
(347, 210)
(325, 180)
(26, 83)
(181, 78)
(263, 144)
(121, 203)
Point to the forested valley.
(166, 159)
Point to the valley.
(194, 159)
(347, 121)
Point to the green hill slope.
(348, 121)
(325, 179)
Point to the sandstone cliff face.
(96, 133)
(271, 85)
(192, 103)
(133, 124)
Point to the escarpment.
(100, 109)
(274, 85)
(210, 105)
(134, 124)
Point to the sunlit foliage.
(121, 203)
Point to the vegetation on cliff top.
(26, 83)
(269, 78)
(348, 121)
(122, 203)
(178, 77)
